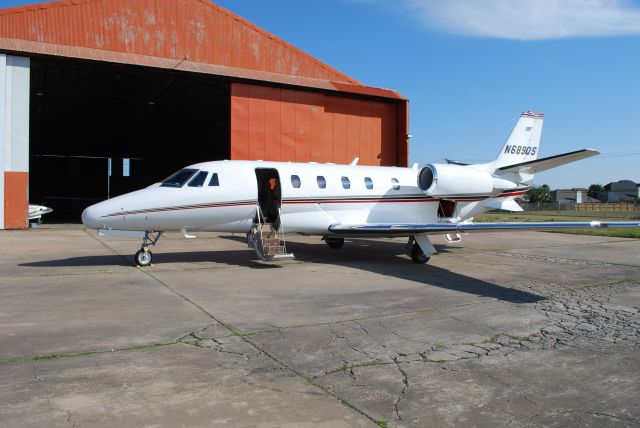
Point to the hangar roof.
(188, 35)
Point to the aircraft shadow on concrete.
(379, 256)
(230, 257)
(387, 258)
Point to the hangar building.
(100, 97)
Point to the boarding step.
(265, 228)
(270, 242)
(273, 250)
(267, 244)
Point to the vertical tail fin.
(523, 143)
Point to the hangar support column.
(14, 141)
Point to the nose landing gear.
(143, 256)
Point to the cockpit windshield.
(179, 178)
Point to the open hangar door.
(98, 130)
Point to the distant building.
(621, 191)
(571, 196)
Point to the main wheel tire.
(334, 243)
(417, 256)
(143, 258)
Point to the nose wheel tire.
(334, 243)
(417, 256)
(143, 257)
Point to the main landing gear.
(416, 253)
(335, 243)
(143, 256)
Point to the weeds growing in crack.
(367, 364)
(57, 356)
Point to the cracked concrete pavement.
(531, 329)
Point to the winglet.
(354, 162)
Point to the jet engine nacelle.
(456, 180)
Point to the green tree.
(594, 189)
(540, 194)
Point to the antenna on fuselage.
(354, 162)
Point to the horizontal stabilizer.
(439, 228)
(534, 166)
(502, 204)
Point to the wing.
(534, 166)
(439, 228)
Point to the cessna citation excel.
(265, 200)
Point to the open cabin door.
(269, 194)
(267, 234)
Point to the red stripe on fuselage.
(356, 201)
(504, 195)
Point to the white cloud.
(529, 19)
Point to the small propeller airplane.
(265, 200)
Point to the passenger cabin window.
(198, 180)
(295, 181)
(395, 183)
(346, 184)
(179, 178)
(368, 182)
(214, 180)
(322, 183)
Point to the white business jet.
(265, 200)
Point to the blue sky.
(469, 67)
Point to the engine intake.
(454, 180)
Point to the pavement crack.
(400, 397)
(405, 338)
(70, 420)
(349, 372)
(378, 317)
(214, 344)
(501, 382)
(35, 375)
(560, 260)
(247, 339)
(57, 356)
(605, 415)
(362, 327)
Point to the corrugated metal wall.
(302, 126)
(195, 30)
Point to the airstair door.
(269, 194)
(267, 234)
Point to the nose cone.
(90, 217)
